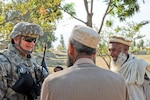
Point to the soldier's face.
(27, 43)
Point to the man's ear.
(71, 49)
(126, 49)
(93, 55)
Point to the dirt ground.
(101, 63)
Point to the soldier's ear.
(15, 39)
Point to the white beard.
(115, 65)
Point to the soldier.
(20, 75)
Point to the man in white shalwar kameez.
(130, 67)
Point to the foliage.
(148, 51)
(131, 29)
(140, 45)
(37, 11)
(61, 46)
(68, 8)
(62, 42)
(121, 9)
(47, 38)
(102, 51)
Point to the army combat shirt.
(8, 74)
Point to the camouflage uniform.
(8, 75)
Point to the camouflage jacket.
(8, 74)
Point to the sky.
(65, 26)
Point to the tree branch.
(106, 12)
(72, 15)
(91, 7)
(10, 20)
(86, 7)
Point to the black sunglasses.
(29, 39)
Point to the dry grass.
(145, 57)
(100, 62)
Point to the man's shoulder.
(137, 61)
(6, 56)
(67, 72)
(60, 74)
(110, 74)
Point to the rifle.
(40, 79)
(43, 64)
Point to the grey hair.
(80, 48)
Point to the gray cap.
(26, 28)
(120, 39)
(85, 35)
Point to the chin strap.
(25, 51)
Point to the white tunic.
(133, 71)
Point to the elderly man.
(83, 80)
(130, 67)
(20, 75)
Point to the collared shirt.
(84, 81)
(83, 60)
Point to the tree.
(61, 46)
(122, 9)
(141, 44)
(119, 8)
(62, 42)
(37, 11)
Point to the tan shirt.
(84, 81)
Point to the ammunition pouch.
(26, 85)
